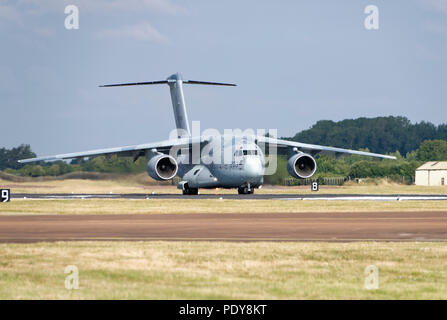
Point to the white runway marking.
(324, 197)
(78, 196)
(369, 198)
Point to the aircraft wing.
(135, 151)
(315, 149)
(164, 147)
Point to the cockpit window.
(246, 152)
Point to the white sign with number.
(5, 195)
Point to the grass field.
(218, 270)
(143, 184)
(213, 206)
(137, 184)
(223, 270)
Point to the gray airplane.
(212, 161)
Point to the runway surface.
(394, 226)
(315, 196)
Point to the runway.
(394, 226)
(260, 196)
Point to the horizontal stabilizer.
(175, 83)
(209, 83)
(170, 80)
(134, 84)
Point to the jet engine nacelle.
(301, 165)
(162, 167)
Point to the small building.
(433, 173)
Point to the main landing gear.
(245, 189)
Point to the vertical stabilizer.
(175, 83)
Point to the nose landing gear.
(187, 190)
(191, 191)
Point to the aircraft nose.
(253, 167)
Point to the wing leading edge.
(314, 149)
(162, 146)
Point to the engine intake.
(162, 167)
(301, 165)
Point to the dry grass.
(134, 184)
(151, 206)
(142, 184)
(121, 184)
(223, 270)
(217, 270)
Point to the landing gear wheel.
(191, 191)
(245, 190)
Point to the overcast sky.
(295, 62)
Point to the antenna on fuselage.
(175, 83)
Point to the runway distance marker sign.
(314, 186)
(5, 195)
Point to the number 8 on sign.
(315, 186)
(5, 195)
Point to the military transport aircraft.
(243, 165)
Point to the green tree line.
(380, 135)
(9, 157)
(383, 135)
(114, 164)
(355, 166)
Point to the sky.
(295, 62)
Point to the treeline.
(9, 157)
(400, 170)
(114, 164)
(380, 135)
(412, 144)
(347, 166)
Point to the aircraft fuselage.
(224, 163)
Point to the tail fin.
(175, 83)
